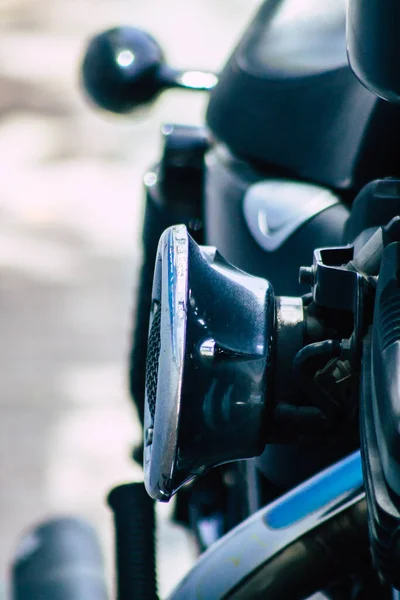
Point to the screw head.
(149, 436)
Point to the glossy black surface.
(211, 402)
(373, 43)
(288, 99)
(228, 180)
(122, 69)
(295, 39)
(224, 397)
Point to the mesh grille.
(153, 355)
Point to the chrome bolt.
(149, 436)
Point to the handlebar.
(59, 560)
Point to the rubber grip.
(134, 518)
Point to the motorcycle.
(268, 386)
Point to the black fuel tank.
(265, 225)
(288, 98)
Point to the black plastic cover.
(288, 98)
(224, 416)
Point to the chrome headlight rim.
(170, 296)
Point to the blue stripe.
(318, 492)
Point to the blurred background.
(70, 218)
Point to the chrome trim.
(170, 288)
(274, 209)
(290, 312)
(262, 536)
(207, 348)
(197, 80)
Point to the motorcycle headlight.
(208, 364)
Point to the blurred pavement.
(70, 218)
